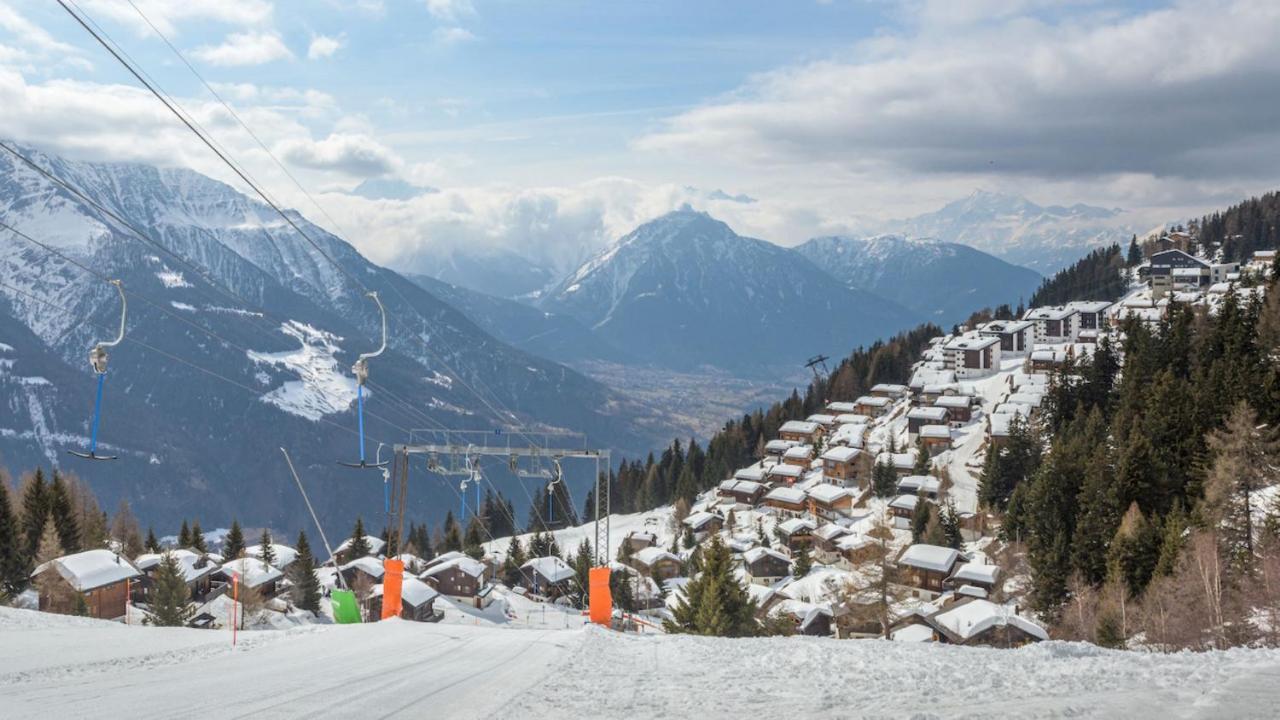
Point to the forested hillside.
(1244, 228)
(1096, 276)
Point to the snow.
(284, 555)
(975, 616)
(323, 388)
(552, 568)
(172, 279)
(375, 545)
(651, 555)
(913, 633)
(474, 568)
(92, 569)
(929, 557)
(251, 571)
(412, 590)
(370, 566)
(187, 561)
(182, 306)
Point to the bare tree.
(869, 599)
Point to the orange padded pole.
(601, 599)
(392, 579)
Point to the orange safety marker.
(235, 604)
(601, 599)
(392, 579)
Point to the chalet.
(764, 566)
(1048, 360)
(999, 426)
(975, 575)
(872, 405)
(363, 571)
(823, 419)
(703, 523)
(800, 456)
(809, 618)
(972, 355)
(1092, 314)
(787, 501)
(829, 502)
(959, 408)
(550, 576)
(254, 574)
(417, 601)
(777, 448)
(197, 570)
(744, 492)
(978, 622)
(342, 552)
(888, 390)
(801, 431)
(935, 438)
(657, 563)
(796, 533)
(854, 550)
(825, 540)
(1016, 336)
(282, 555)
(101, 577)
(931, 375)
(902, 508)
(847, 466)
(784, 474)
(929, 394)
(903, 463)
(918, 417)
(755, 473)
(926, 485)
(851, 419)
(852, 434)
(1053, 325)
(462, 579)
(640, 539)
(926, 567)
(841, 408)
(1176, 270)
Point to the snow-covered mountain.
(1043, 238)
(493, 271)
(248, 351)
(685, 291)
(942, 281)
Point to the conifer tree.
(920, 518)
(305, 590)
(803, 563)
(452, 534)
(1134, 551)
(473, 543)
(233, 546)
(582, 561)
(515, 557)
(169, 598)
(714, 602)
(266, 548)
(884, 480)
(197, 538)
(152, 545)
(63, 515)
(1098, 519)
(35, 509)
(14, 567)
(1245, 461)
(1134, 256)
(359, 545)
(184, 535)
(923, 462)
(950, 521)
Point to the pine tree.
(923, 462)
(63, 514)
(233, 547)
(715, 602)
(1134, 256)
(884, 480)
(950, 520)
(14, 567)
(197, 538)
(152, 545)
(266, 548)
(1097, 521)
(184, 535)
(358, 547)
(452, 534)
(35, 510)
(582, 562)
(1245, 458)
(920, 518)
(473, 543)
(1134, 551)
(803, 563)
(169, 598)
(305, 590)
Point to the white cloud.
(323, 46)
(28, 33)
(245, 48)
(352, 154)
(1166, 93)
(168, 15)
(450, 10)
(452, 36)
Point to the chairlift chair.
(361, 371)
(98, 361)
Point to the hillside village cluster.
(829, 516)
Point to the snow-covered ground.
(61, 667)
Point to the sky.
(550, 128)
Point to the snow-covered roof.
(802, 427)
(252, 571)
(972, 617)
(953, 401)
(853, 435)
(928, 413)
(914, 632)
(841, 454)
(830, 531)
(828, 493)
(651, 555)
(375, 545)
(778, 446)
(904, 502)
(553, 568)
(1000, 423)
(412, 591)
(187, 560)
(755, 473)
(467, 565)
(799, 452)
(1049, 313)
(741, 486)
(370, 566)
(1005, 327)
(795, 526)
(926, 376)
(645, 535)
(92, 569)
(935, 431)
(699, 520)
(757, 553)
(792, 495)
(900, 460)
(874, 401)
(971, 591)
(913, 484)
(841, 407)
(1088, 306)
(284, 554)
(976, 573)
(1028, 397)
(890, 388)
(790, 472)
(972, 342)
(850, 418)
(821, 418)
(929, 557)
(853, 542)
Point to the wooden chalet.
(959, 408)
(926, 567)
(891, 391)
(640, 539)
(976, 575)
(342, 554)
(551, 576)
(704, 523)
(977, 622)
(796, 533)
(854, 550)
(745, 492)
(657, 563)
(461, 578)
(765, 566)
(784, 474)
(918, 417)
(417, 601)
(363, 571)
(801, 431)
(902, 508)
(830, 502)
(847, 466)
(826, 539)
(926, 485)
(253, 573)
(787, 501)
(935, 438)
(101, 577)
(800, 456)
(197, 570)
(872, 405)
(841, 408)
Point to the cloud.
(1173, 92)
(447, 36)
(245, 48)
(450, 10)
(28, 33)
(353, 154)
(167, 15)
(323, 46)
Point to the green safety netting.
(345, 609)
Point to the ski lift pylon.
(361, 371)
(98, 357)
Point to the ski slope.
(61, 667)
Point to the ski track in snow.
(56, 666)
